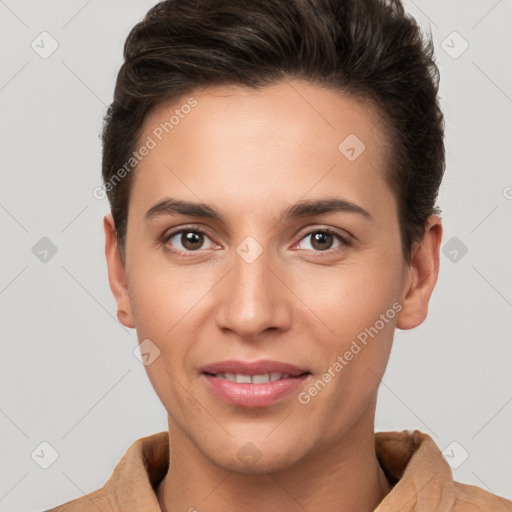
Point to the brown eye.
(323, 240)
(186, 240)
(192, 240)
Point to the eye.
(190, 240)
(323, 240)
(187, 240)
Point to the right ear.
(117, 273)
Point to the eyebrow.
(170, 206)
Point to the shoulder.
(132, 483)
(422, 479)
(470, 497)
(96, 500)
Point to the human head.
(367, 49)
(251, 153)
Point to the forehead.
(280, 143)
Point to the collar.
(421, 477)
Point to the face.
(295, 261)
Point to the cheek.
(349, 300)
(168, 306)
(354, 360)
(162, 296)
(357, 306)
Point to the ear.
(424, 269)
(117, 273)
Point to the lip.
(253, 368)
(253, 395)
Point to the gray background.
(68, 374)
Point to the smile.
(253, 383)
(262, 378)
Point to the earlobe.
(117, 273)
(424, 271)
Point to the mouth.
(262, 378)
(256, 384)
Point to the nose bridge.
(252, 301)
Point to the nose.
(253, 299)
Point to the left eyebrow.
(170, 206)
(323, 206)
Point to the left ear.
(424, 267)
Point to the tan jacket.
(421, 478)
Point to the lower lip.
(253, 395)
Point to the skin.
(251, 154)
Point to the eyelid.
(187, 227)
(171, 233)
(344, 237)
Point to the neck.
(343, 476)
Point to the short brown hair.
(370, 49)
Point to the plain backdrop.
(71, 387)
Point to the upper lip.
(253, 368)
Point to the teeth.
(263, 378)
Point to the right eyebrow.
(169, 206)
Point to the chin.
(255, 458)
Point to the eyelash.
(343, 239)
